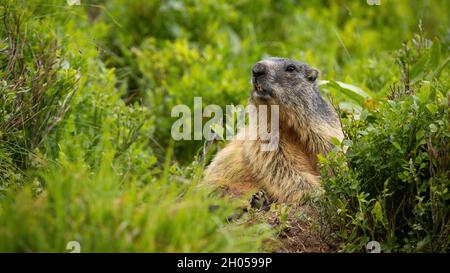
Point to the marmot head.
(292, 85)
(283, 81)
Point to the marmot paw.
(260, 200)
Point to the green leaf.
(377, 211)
(420, 134)
(424, 92)
(435, 74)
(435, 54)
(433, 128)
(350, 107)
(397, 146)
(353, 92)
(335, 141)
(432, 108)
(418, 69)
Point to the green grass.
(105, 213)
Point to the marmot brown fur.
(307, 123)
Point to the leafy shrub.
(36, 89)
(392, 183)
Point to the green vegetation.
(389, 180)
(85, 98)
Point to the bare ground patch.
(299, 229)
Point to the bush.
(36, 89)
(392, 183)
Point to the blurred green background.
(167, 52)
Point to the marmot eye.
(290, 68)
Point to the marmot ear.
(312, 74)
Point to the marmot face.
(291, 85)
(282, 81)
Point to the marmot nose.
(259, 69)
